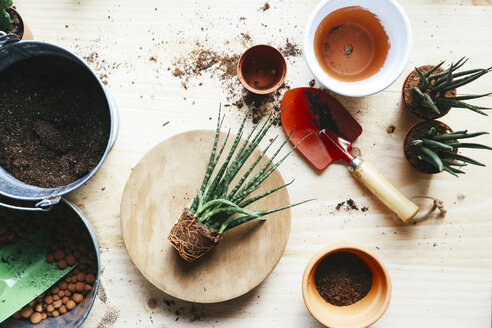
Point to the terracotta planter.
(21, 29)
(411, 100)
(360, 314)
(262, 69)
(416, 132)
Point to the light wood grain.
(441, 268)
(161, 186)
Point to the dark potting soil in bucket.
(54, 122)
(343, 278)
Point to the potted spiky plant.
(12, 22)
(429, 91)
(218, 206)
(432, 147)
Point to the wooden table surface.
(441, 267)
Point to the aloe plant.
(440, 150)
(5, 21)
(220, 205)
(433, 87)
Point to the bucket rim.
(113, 130)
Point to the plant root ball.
(192, 239)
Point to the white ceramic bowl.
(396, 26)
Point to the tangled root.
(192, 239)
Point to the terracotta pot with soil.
(12, 22)
(56, 121)
(432, 147)
(429, 92)
(346, 285)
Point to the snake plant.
(440, 150)
(434, 86)
(220, 205)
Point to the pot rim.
(50, 193)
(340, 247)
(26, 31)
(92, 232)
(255, 90)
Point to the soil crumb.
(266, 6)
(290, 49)
(312, 83)
(390, 129)
(350, 205)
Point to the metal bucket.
(75, 317)
(11, 51)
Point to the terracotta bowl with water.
(360, 314)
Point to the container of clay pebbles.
(346, 286)
(57, 122)
(69, 240)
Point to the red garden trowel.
(331, 132)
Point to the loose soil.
(192, 239)
(17, 25)
(412, 101)
(342, 278)
(54, 121)
(321, 111)
(412, 152)
(223, 66)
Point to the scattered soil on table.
(342, 278)
(223, 66)
(349, 205)
(390, 129)
(412, 152)
(290, 49)
(100, 65)
(412, 100)
(266, 6)
(312, 83)
(54, 121)
(17, 25)
(68, 242)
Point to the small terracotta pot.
(262, 69)
(414, 133)
(360, 314)
(25, 32)
(411, 100)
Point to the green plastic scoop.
(24, 273)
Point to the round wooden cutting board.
(159, 188)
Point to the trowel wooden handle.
(391, 196)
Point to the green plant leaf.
(423, 79)
(462, 158)
(426, 100)
(458, 144)
(433, 157)
(433, 69)
(454, 136)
